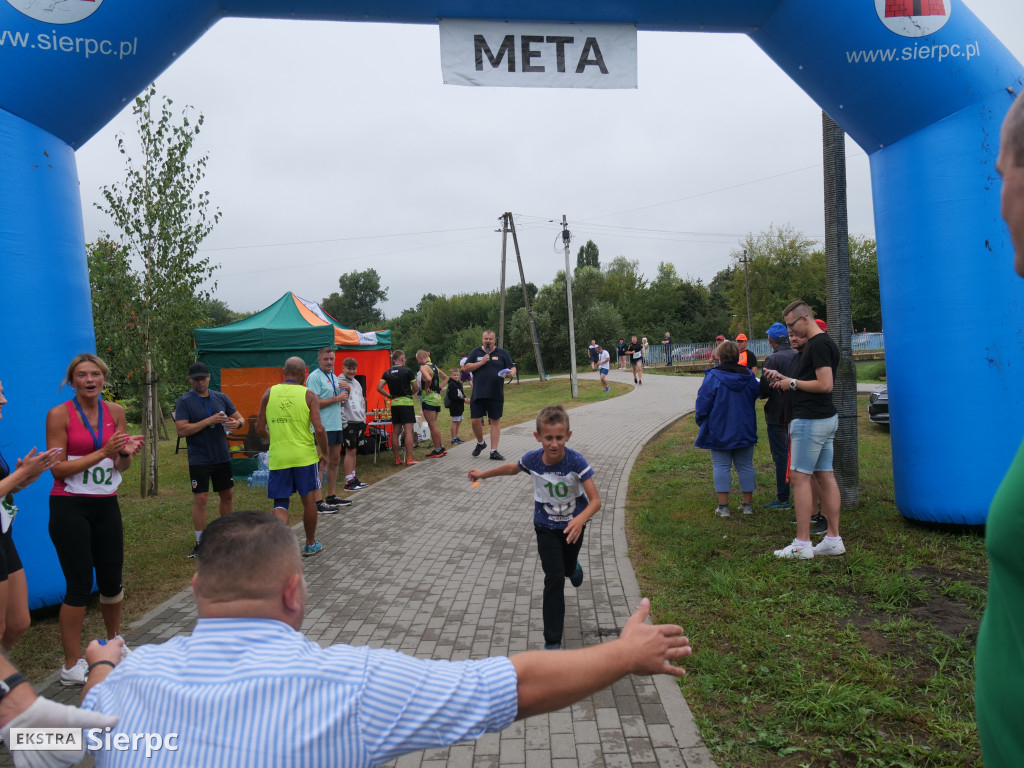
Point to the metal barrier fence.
(657, 354)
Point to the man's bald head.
(294, 367)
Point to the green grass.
(158, 531)
(861, 660)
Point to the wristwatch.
(12, 682)
(792, 384)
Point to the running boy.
(456, 404)
(564, 499)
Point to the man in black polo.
(201, 417)
(491, 366)
(812, 433)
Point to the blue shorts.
(810, 448)
(603, 371)
(334, 436)
(282, 483)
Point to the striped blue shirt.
(254, 692)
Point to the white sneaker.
(125, 650)
(796, 551)
(747, 509)
(833, 547)
(76, 675)
(722, 510)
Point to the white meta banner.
(538, 54)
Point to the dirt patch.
(947, 616)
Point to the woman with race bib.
(85, 520)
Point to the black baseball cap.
(197, 370)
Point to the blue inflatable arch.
(920, 85)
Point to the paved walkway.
(426, 564)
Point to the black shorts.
(202, 473)
(9, 560)
(493, 408)
(434, 408)
(403, 414)
(334, 436)
(352, 434)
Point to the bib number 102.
(98, 476)
(559, 490)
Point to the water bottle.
(249, 480)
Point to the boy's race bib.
(99, 480)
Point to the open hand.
(652, 647)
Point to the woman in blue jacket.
(728, 424)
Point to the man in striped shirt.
(247, 688)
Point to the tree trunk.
(147, 413)
(154, 470)
(840, 322)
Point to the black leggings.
(558, 559)
(86, 532)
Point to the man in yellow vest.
(290, 419)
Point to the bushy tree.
(588, 256)
(355, 305)
(161, 217)
(865, 300)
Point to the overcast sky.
(335, 147)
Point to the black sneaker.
(479, 448)
(436, 453)
(326, 509)
(495, 456)
(577, 576)
(819, 524)
(195, 551)
(355, 484)
(335, 501)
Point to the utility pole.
(509, 225)
(746, 280)
(505, 218)
(568, 297)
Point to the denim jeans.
(778, 441)
(811, 446)
(722, 461)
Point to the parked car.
(702, 353)
(878, 405)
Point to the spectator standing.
(203, 417)
(728, 425)
(432, 400)
(85, 519)
(353, 413)
(714, 352)
(247, 669)
(623, 354)
(331, 393)
(592, 350)
(456, 404)
(812, 433)
(491, 366)
(635, 350)
(565, 498)
(667, 344)
(603, 364)
(14, 614)
(401, 388)
(999, 660)
(290, 418)
(778, 410)
(747, 357)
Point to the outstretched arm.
(505, 469)
(550, 680)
